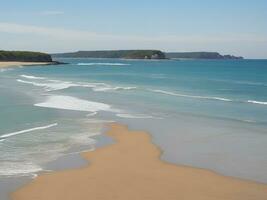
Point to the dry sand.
(13, 64)
(131, 169)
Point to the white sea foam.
(190, 96)
(99, 121)
(34, 176)
(103, 89)
(18, 168)
(249, 121)
(84, 139)
(27, 130)
(257, 102)
(31, 77)
(134, 116)
(50, 86)
(73, 103)
(103, 64)
(53, 85)
(6, 69)
(91, 114)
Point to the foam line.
(27, 130)
(73, 103)
(257, 102)
(31, 77)
(190, 96)
(103, 64)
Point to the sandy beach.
(131, 169)
(13, 64)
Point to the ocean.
(209, 114)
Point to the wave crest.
(32, 77)
(257, 102)
(3, 137)
(53, 85)
(134, 116)
(190, 96)
(103, 64)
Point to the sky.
(237, 27)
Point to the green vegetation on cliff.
(199, 55)
(145, 54)
(24, 56)
(127, 54)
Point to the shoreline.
(4, 64)
(131, 168)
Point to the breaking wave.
(3, 137)
(134, 116)
(53, 85)
(31, 77)
(190, 96)
(257, 102)
(103, 64)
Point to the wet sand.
(131, 169)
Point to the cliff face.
(26, 56)
(127, 54)
(145, 54)
(199, 55)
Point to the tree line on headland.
(144, 54)
(29, 56)
(25, 56)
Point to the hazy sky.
(230, 26)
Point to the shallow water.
(209, 114)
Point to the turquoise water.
(209, 114)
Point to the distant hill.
(24, 56)
(199, 55)
(127, 54)
(144, 54)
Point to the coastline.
(131, 168)
(16, 64)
